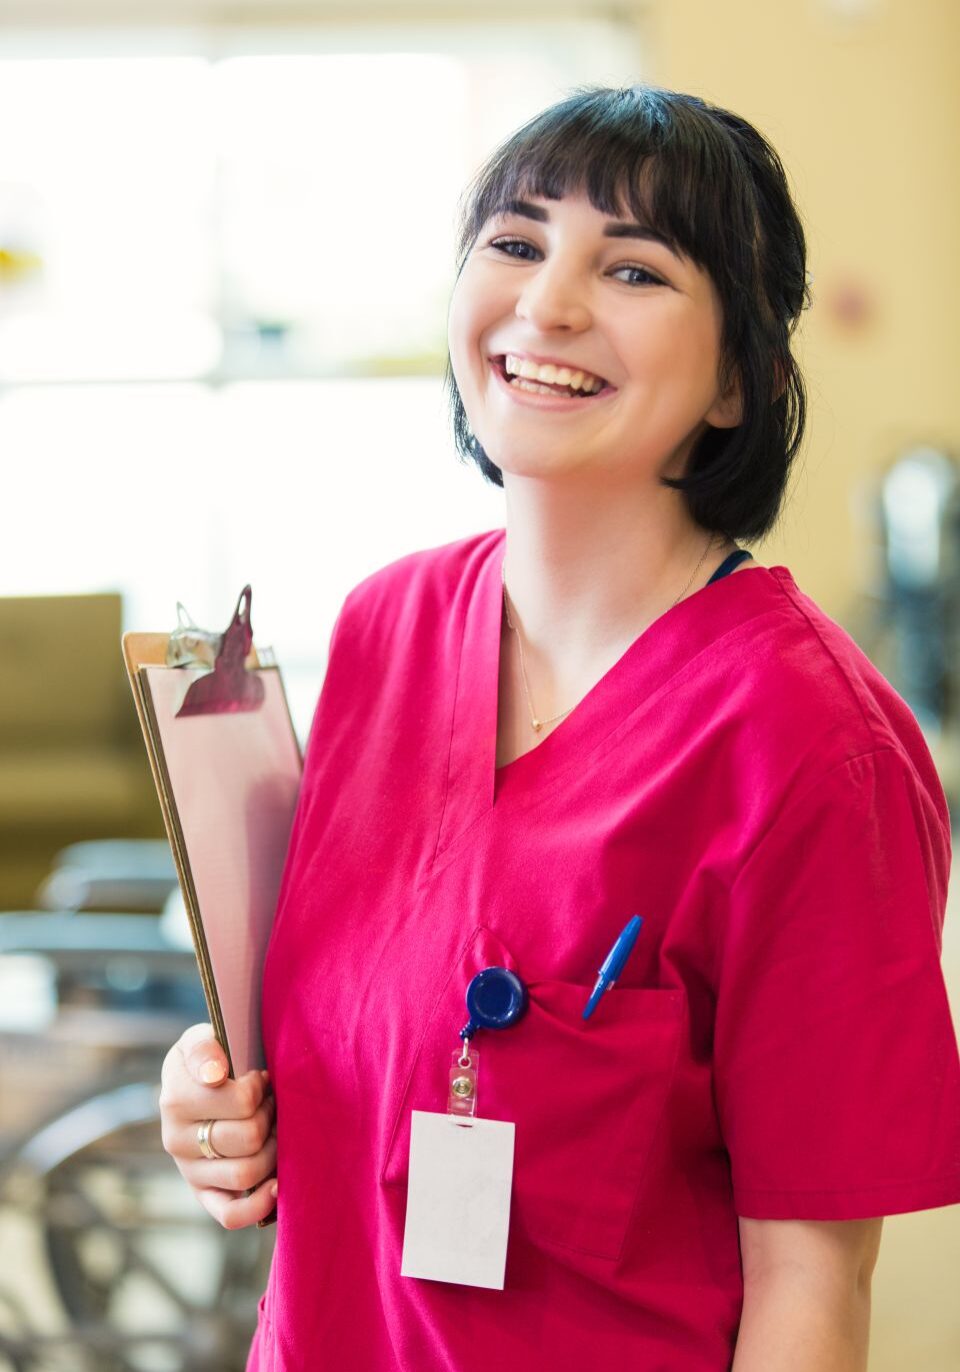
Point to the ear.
(727, 410)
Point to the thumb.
(205, 1059)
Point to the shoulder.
(429, 581)
(802, 663)
(810, 688)
(441, 568)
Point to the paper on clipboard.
(228, 780)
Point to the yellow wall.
(865, 112)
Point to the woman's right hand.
(195, 1087)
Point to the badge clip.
(496, 998)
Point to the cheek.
(462, 339)
(682, 358)
(469, 324)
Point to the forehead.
(536, 205)
(626, 199)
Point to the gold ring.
(203, 1139)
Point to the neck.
(587, 571)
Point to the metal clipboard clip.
(189, 645)
(229, 688)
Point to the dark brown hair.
(716, 189)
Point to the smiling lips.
(548, 378)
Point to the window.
(225, 260)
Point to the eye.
(524, 251)
(642, 276)
(508, 246)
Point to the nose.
(554, 297)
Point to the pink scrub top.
(779, 1046)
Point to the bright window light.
(225, 265)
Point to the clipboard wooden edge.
(150, 650)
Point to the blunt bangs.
(622, 158)
(716, 191)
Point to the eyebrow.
(614, 228)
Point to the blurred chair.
(72, 763)
(115, 1267)
(129, 874)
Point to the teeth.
(522, 384)
(552, 375)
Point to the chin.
(545, 468)
(527, 463)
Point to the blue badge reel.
(496, 998)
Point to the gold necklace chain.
(538, 724)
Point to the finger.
(239, 1138)
(177, 1072)
(203, 1057)
(184, 1102)
(233, 1174)
(236, 1212)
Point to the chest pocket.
(587, 1096)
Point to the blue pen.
(613, 963)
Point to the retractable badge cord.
(496, 998)
(461, 1165)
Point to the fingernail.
(273, 1189)
(211, 1071)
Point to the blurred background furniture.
(126, 874)
(127, 1272)
(72, 762)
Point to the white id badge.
(458, 1199)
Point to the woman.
(526, 737)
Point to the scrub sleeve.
(833, 1061)
(778, 1046)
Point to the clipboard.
(227, 773)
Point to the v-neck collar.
(474, 783)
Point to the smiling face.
(556, 284)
